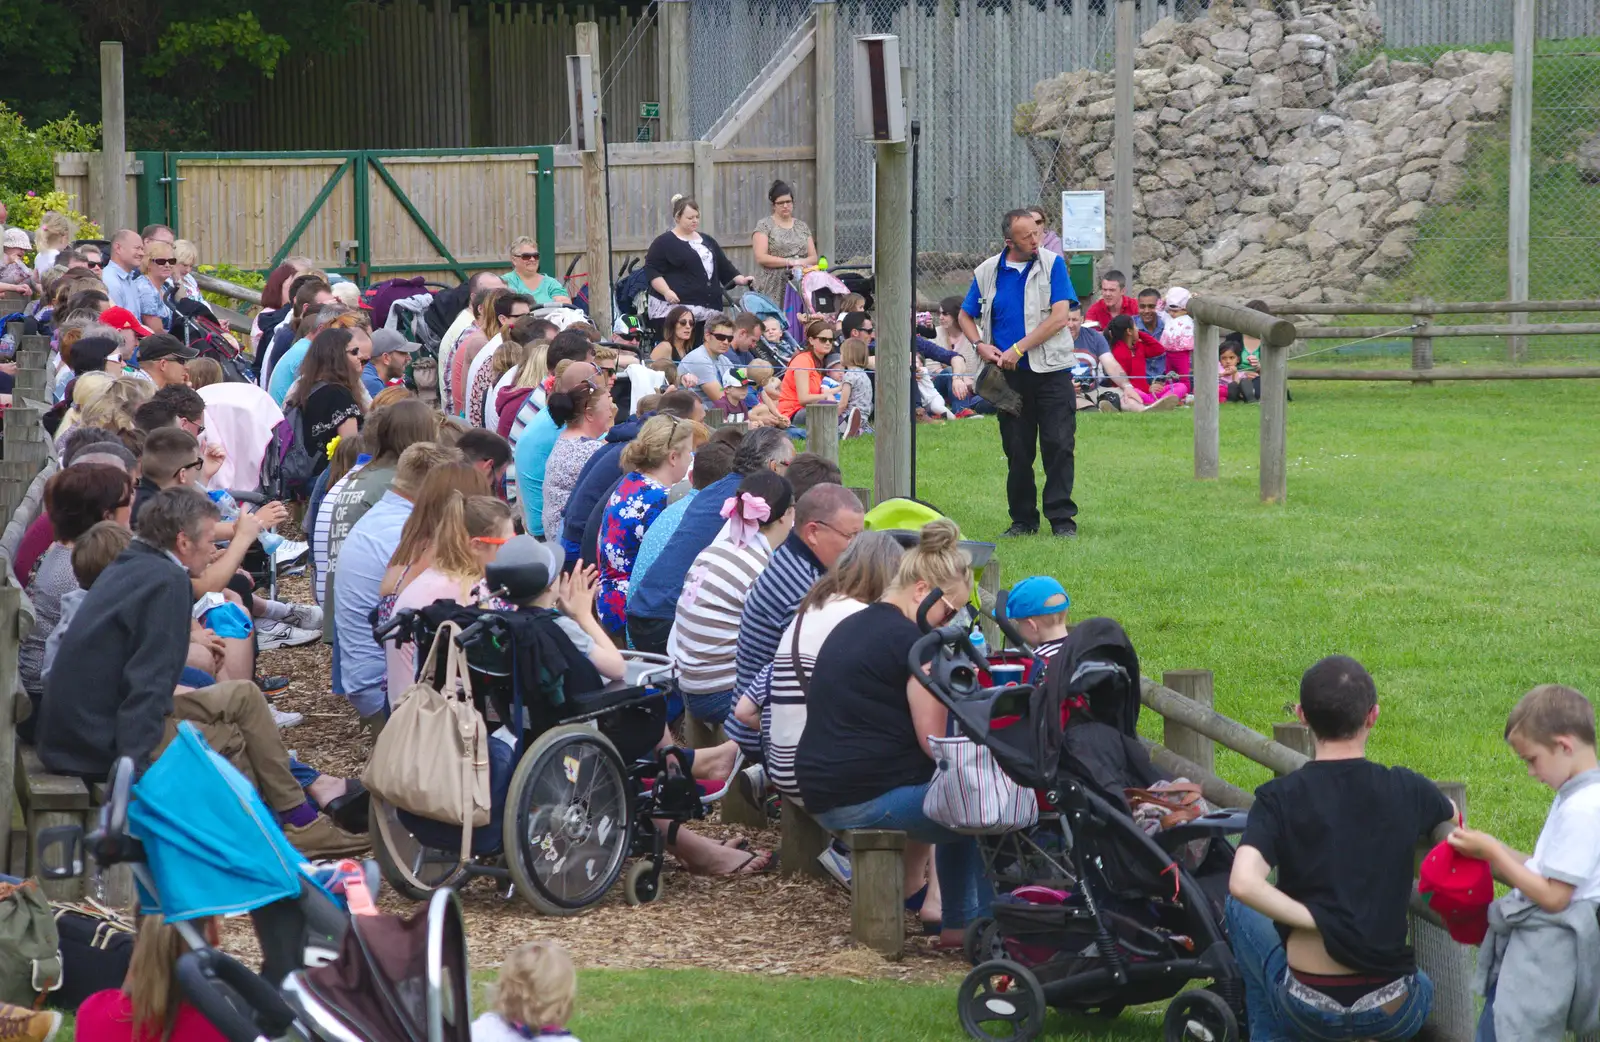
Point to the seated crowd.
(745, 562)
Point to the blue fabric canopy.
(212, 846)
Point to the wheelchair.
(586, 781)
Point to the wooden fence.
(427, 76)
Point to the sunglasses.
(164, 262)
(526, 256)
(869, 330)
(96, 265)
(825, 339)
(354, 352)
(721, 338)
(609, 369)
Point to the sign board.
(1083, 222)
(649, 110)
(642, 134)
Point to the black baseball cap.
(89, 354)
(164, 345)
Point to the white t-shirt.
(787, 704)
(491, 1027)
(1568, 850)
(447, 348)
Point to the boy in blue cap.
(1038, 607)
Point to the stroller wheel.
(412, 868)
(1200, 1016)
(568, 820)
(981, 943)
(1001, 999)
(643, 883)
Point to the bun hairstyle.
(563, 406)
(779, 189)
(773, 489)
(1119, 329)
(937, 559)
(681, 203)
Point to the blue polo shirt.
(655, 594)
(1008, 322)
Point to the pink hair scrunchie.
(745, 513)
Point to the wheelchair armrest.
(256, 498)
(1207, 826)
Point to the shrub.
(27, 156)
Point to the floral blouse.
(630, 512)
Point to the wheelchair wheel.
(1001, 999)
(568, 820)
(642, 884)
(425, 869)
(1200, 1016)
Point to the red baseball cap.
(1460, 889)
(122, 318)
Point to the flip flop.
(736, 843)
(744, 868)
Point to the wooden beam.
(1222, 793)
(705, 185)
(824, 73)
(800, 44)
(1465, 373)
(673, 62)
(892, 262)
(1498, 329)
(1269, 329)
(113, 201)
(1440, 307)
(768, 154)
(1274, 424)
(877, 895)
(1207, 410)
(822, 430)
(1199, 687)
(1255, 747)
(596, 211)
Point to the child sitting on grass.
(1038, 607)
(1539, 969)
(533, 997)
(761, 398)
(1234, 384)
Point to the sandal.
(768, 862)
(736, 843)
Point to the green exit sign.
(649, 110)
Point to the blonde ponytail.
(937, 559)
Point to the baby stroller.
(741, 300)
(197, 325)
(1093, 914)
(201, 843)
(579, 786)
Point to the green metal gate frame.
(158, 202)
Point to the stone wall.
(1257, 170)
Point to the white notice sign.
(1083, 222)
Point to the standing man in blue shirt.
(1016, 316)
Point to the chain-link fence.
(730, 42)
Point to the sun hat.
(1036, 595)
(17, 239)
(1177, 297)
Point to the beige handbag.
(432, 757)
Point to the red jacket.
(1101, 316)
(1132, 359)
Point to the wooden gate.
(366, 214)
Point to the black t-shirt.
(859, 741)
(142, 494)
(326, 407)
(1343, 835)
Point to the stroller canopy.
(1098, 662)
(212, 846)
(242, 417)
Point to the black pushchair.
(581, 784)
(1093, 915)
(200, 842)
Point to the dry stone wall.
(1257, 170)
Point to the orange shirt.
(802, 366)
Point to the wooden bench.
(45, 801)
(877, 875)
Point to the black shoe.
(1064, 529)
(272, 685)
(350, 811)
(1019, 529)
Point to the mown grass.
(1443, 535)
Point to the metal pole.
(113, 199)
(1122, 141)
(1517, 230)
(911, 374)
(892, 262)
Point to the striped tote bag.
(970, 793)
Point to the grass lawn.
(1444, 536)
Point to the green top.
(544, 294)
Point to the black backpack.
(291, 450)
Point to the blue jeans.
(710, 709)
(965, 890)
(1485, 1032)
(196, 678)
(1278, 1011)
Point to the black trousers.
(649, 634)
(1048, 417)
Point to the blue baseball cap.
(1036, 595)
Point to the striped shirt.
(786, 706)
(791, 573)
(706, 627)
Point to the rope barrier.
(1380, 336)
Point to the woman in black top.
(328, 390)
(863, 761)
(687, 267)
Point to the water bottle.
(981, 646)
(229, 508)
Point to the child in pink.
(1178, 336)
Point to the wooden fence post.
(705, 184)
(1207, 410)
(1296, 736)
(824, 76)
(1197, 685)
(113, 201)
(1274, 424)
(596, 209)
(673, 65)
(801, 843)
(1421, 342)
(988, 588)
(822, 430)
